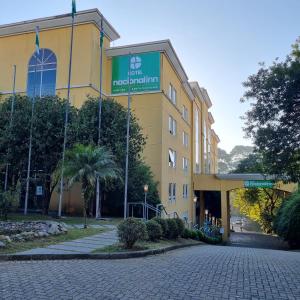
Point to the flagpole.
(10, 123)
(98, 191)
(66, 119)
(127, 139)
(31, 124)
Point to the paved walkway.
(257, 240)
(199, 272)
(83, 245)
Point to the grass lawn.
(146, 245)
(72, 234)
(67, 220)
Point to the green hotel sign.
(258, 184)
(144, 73)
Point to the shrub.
(164, 226)
(194, 235)
(154, 230)
(131, 230)
(186, 233)
(180, 226)
(209, 239)
(287, 221)
(172, 229)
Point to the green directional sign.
(258, 184)
(143, 69)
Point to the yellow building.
(174, 113)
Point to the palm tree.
(84, 164)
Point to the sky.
(219, 42)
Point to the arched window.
(42, 74)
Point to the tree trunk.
(84, 209)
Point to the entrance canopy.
(224, 183)
(227, 182)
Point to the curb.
(113, 255)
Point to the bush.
(186, 233)
(287, 221)
(154, 230)
(194, 235)
(172, 229)
(180, 226)
(131, 230)
(164, 226)
(208, 239)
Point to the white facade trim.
(86, 16)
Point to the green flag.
(101, 37)
(73, 8)
(37, 40)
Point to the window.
(204, 137)
(184, 113)
(172, 126)
(170, 91)
(172, 94)
(42, 74)
(197, 150)
(185, 192)
(172, 158)
(185, 164)
(185, 139)
(172, 192)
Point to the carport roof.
(250, 176)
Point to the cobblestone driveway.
(201, 272)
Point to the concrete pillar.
(202, 208)
(225, 214)
(228, 212)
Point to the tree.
(251, 164)
(113, 136)
(287, 221)
(274, 118)
(259, 205)
(84, 164)
(48, 126)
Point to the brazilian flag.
(73, 8)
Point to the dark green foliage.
(180, 226)
(154, 230)
(47, 139)
(164, 225)
(189, 234)
(48, 129)
(208, 239)
(193, 234)
(84, 163)
(9, 201)
(273, 119)
(186, 233)
(113, 136)
(172, 229)
(130, 231)
(287, 221)
(251, 164)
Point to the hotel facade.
(173, 112)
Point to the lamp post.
(195, 207)
(146, 188)
(206, 215)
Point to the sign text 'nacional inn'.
(144, 73)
